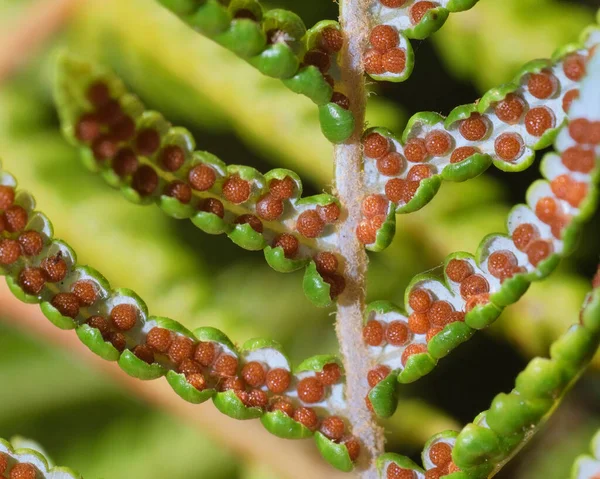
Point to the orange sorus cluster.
(536, 234)
(16, 470)
(313, 389)
(327, 266)
(35, 268)
(496, 132)
(26, 251)
(113, 137)
(22, 249)
(440, 457)
(385, 54)
(330, 42)
(430, 313)
(567, 191)
(207, 365)
(374, 209)
(392, 163)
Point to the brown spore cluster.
(553, 206)
(146, 162)
(209, 365)
(114, 138)
(429, 313)
(313, 389)
(375, 209)
(504, 131)
(39, 269)
(416, 12)
(440, 455)
(428, 317)
(569, 189)
(385, 54)
(420, 9)
(323, 55)
(328, 267)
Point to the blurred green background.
(88, 423)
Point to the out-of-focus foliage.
(11, 10)
(200, 280)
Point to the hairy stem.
(349, 184)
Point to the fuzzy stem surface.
(349, 184)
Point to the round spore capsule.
(310, 390)
(278, 380)
(332, 427)
(124, 316)
(330, 374)
(375, 145)
(373, 333)
(254, 374)
(384, 37)
(236, 190)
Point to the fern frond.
(504, 128)
(277, 43)
(255, 380)
(440, 315)
(27, 463)
(151, 161)
(482, 448)
(390, 56)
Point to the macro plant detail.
(279, 45)
(503, 128)
(123, 141)
(337, 401)
(253, 381)
(390, 56)
(482, 447)
(23, 462)
(440, 315)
